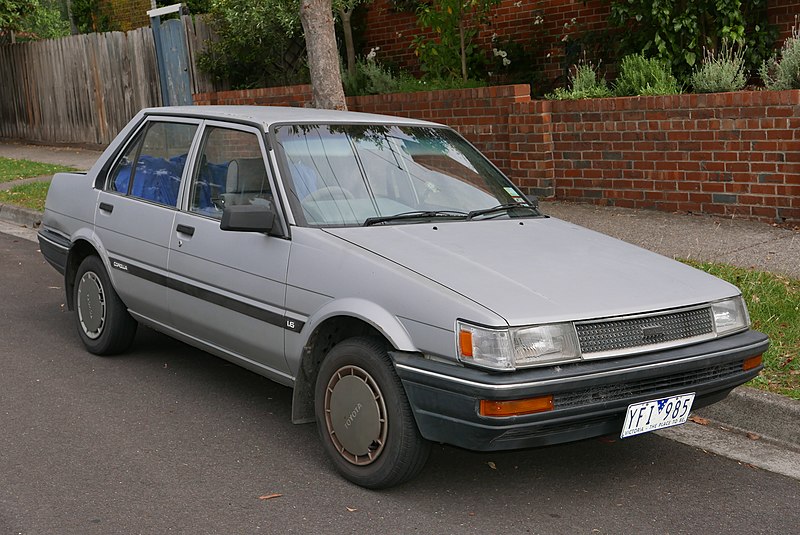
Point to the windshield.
(346, 175)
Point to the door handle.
(104, 206)
(185, 229)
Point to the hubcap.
(91, 305)
(355, 415)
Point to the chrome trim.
(569, 379)
(51, 242)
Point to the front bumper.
(590, 398)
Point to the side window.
(160, 155)
(230, 171)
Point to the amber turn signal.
(516, 407)
(465, 341)
(752, 362)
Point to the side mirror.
(247, 218)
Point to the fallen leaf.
(351, 509)
(492, 465)
(698, 420)
(753, 436)
(269, 496)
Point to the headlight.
(509, 349)
(730, 316)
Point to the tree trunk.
(323, 59)
(346, 15)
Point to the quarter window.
(230, 171)
(160, 154)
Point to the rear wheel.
(364, 418)
(104, 325)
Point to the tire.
(104, 325)
(364, 418)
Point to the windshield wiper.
(502, 208)
(417, 214)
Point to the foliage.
(516, 63)
(259, 44)
(642, 76)
(30, 196)
(13, 11)
(12, 169)
(369, 78)
(89, 18)
(677, 31)
(585, 83)
(195, 6)
(372, 78)
(782, 71)
(450, 52)
(45, 21)
(774, 305)
(720, 71)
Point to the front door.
(228, 289)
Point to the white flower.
(518, 4)
(506, 62)
(372, 53)
(538, 20)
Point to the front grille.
(644, 387)
(622, 334)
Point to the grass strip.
(774, 304)
(30, 195)
(11, 169)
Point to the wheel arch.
(80, 249)
(353, 318)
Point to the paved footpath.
(775, 420)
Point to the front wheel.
(364, 418)
(104, 324)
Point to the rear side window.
(152, 165)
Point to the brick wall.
(783, 13)
(393, 32)
(126, 15)
(512, 19)
(731, 154)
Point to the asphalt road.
(167, 439)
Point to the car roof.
(268, 115)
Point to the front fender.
(375, 315)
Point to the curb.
(21, 216)
(771, 416)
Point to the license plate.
(656, 414)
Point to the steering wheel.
(329, 193)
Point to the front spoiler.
(590, 398)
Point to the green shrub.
(585, 84)
(782, 71)
(720, 71)
(260, 44)
(642, 76)
(678, 31)
(370, 78)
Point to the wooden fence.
(83, 89)
(79, 89)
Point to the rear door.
(136, 212)
(229, 288)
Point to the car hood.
(539, 270)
